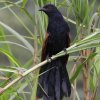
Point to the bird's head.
(49, 9)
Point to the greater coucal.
(54, 84)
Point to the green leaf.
(25, 42)
(96, 65)
(10, 4)
(12, 58)
(24, 3)
(79, 68)
(6, 45)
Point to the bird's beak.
(42, 9)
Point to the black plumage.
(55, 82)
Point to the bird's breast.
(58, 35)
(56, 43)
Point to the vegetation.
(21, 49)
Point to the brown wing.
(44, 48)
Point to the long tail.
(54, 84)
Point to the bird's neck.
(54, 23)
(54, 17)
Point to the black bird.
(54, 84)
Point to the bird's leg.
(65, 51)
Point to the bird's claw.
(49, 59)
(65, 50)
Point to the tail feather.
(55, 82)
(41, 83)
(58, 84)
(66, 86)
(50, 98)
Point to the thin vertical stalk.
(85, 73)
(74, 93)
(35, 61)
(85, 70)
(85, 76)
(95, 24)
(35, 52)
(75, 82)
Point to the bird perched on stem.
(54, 82)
